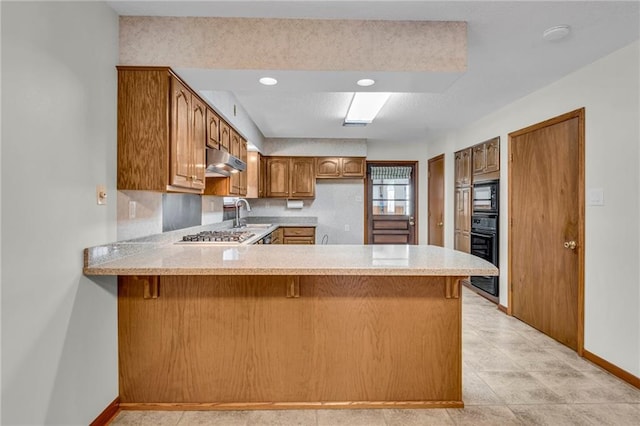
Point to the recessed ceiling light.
(366, 82)
(268, 81)
(556, 33)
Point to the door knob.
(570, 245)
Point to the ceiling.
(507, 59)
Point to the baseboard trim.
(107, 414)
(503, 309)
(613, 369)
(288, 405)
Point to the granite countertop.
(162, 254)
(176, 259)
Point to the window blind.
(391, 172)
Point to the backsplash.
(337, 203)
(145, 217)
(181, 211)
(139, 214)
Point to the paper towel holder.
(295, 204)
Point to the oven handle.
(488, 234)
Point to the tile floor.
(512, 375)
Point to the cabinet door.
(243, 175)
(302, 177)
(465, 167)
(462, 219)
(462, 241)
(234, 149)
(262, 172)
(225, 135)
(492, 155)
(181, 154)
(327, 167)
(277, 181)
(213, 129)
(465, 219)
(458, 168)
(198, 138)
(479, 159)
(353, 167)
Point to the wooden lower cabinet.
(261, 341)
(299, 235)
(462, 241)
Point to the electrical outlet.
(132, 209)
(101, 195)
(347, 228)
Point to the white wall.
(59, 328)
(609, 89)
(378, 150)
(338, 203)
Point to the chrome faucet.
(237, 204)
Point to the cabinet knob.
(440, 223)
(571, 245)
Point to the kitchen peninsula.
(287, 327)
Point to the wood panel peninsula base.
(235, 342)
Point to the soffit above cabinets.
(507, 58)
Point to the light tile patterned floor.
(512, 375)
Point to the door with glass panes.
(391, 202)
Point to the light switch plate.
(132, 209)
(595, 197)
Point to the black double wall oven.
(484, 233)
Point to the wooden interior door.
(436, 201)
(546, 236)
(391, 212)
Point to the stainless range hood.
(222, 164)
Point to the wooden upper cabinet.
(486, 160)
(492, 154)
(302, 177)
(277, 179)
(234, 149)
(353, 167)
(225, 136)
(255, 175)
(463, 167)
(161, 132)
(243, 175)
(290, 177)
(340, 167)
(328, 167)
(479, 159)
(213, 129)
(181, 173)
(262, 172)
(198, 137)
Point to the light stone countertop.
(177, 259)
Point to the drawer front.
(299, 232)
(299, 240)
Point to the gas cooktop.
(219, 237)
